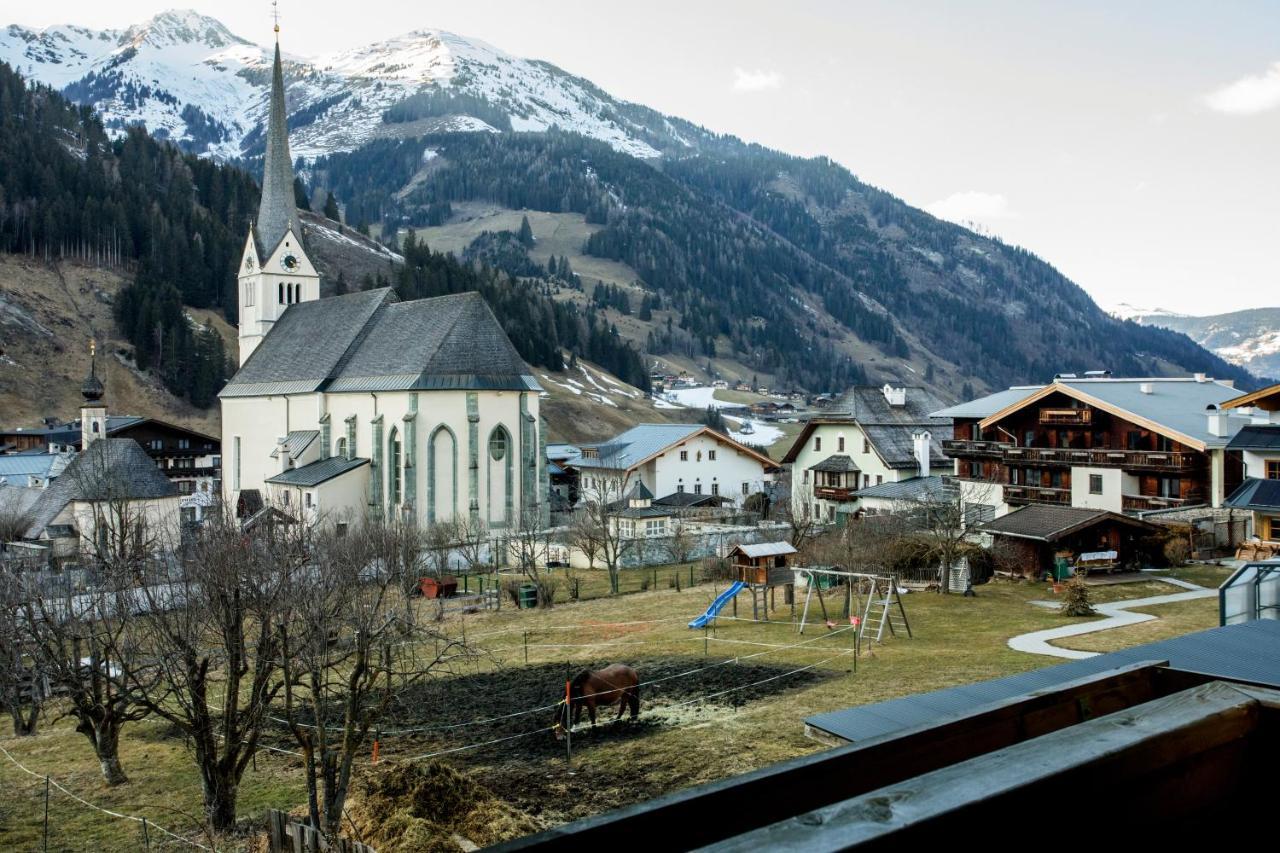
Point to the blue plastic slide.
(716, 606)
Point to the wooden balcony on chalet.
(1143, 503)
(833, 493)
(1153, 460)
(973, 447)
(1037, 494)
(1066, 417)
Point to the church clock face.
(248, 263)
(289, 262)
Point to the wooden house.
(1039, 535)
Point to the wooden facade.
(1032, 451)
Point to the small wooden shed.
(1039, 533)
(763, 564)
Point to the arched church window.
(396, 481)
(340, 448)
(498, 444)
(281, 288)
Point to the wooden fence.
(287, 836)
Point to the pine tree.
(331, 209)
(300, 195)
(526, 232)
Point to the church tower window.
(395, 479)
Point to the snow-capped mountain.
(1249, 338)
(1125, 311)
(190, 79)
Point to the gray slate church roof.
(277, 212)
(317, 472)
(110, 469)
(369, 341)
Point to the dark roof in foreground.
(1050, 523)
(689, 499)
(1255, 493)
(1256, 437)
(110, 469)
(369, 341)
(317, 472)
(1247, 652)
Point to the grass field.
(685, 735)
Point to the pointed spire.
(277, 212)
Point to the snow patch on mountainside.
(162, 71)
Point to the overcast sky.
(1136, 146)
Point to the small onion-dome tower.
(93, 412)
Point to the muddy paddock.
(529, 771)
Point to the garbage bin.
(528, 595)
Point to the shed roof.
(689, 499)
(317, 472)
(296, 442)
(912, 488)
(1050, 523)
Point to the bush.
(1176, 552)
(1077, 601)
(547, 587)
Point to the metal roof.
(1178, 404)
(766, 549)
(636, 444)
(1247, 652)
(985, 407)
(317, 472)
(296, 442)
(1255, 493)
(27, 464)
(1257, 437)
(913, 488)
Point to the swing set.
(871, 602)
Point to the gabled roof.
(368, 341)
(1050, 523)
(296, 442)
(867, 404)
(1255, 493)
(317, 472)
(1174, 408)
(110, 469)
(27, 464)
(646, 441)
(985, 407)
(1263, 397)
(1257, 437)
(765, 549)
(893, 443)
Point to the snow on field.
(762, 435)
(697, 398)
(659, 403)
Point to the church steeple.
(277, 212)
(275, 271)
(93, 412)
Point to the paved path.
(1117, 613)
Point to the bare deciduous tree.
(599, 505)
(948, 515)
(21, 682)
(531, 543)
(347, 658)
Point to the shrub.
(1077, 600)
(1176, 552)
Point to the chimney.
(895, 396)
(1217, 422)
(920, 442)
(1201, 377)
(282, 450)
(1146, 387)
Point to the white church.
(362, 405)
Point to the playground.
(716, 701)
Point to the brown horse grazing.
(616, 684)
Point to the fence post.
(46, 812)
(568, 729)
(526, 646)
(146, 837)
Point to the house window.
(711, 456)
(156, 444)
(285, 497)
(235, 443)
(306, 500)
(698, 456)
(684, 456)
(866, 445)
(655, 527)
(746, 488)
(340, 529)
(186, 487)
(879, 479)
(817, 443)
(697, 488)
(866, 480)
(1095, 484)
(680, 488)
(184, 444)
(840, 444)
(1273, 469)
(715, 489)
